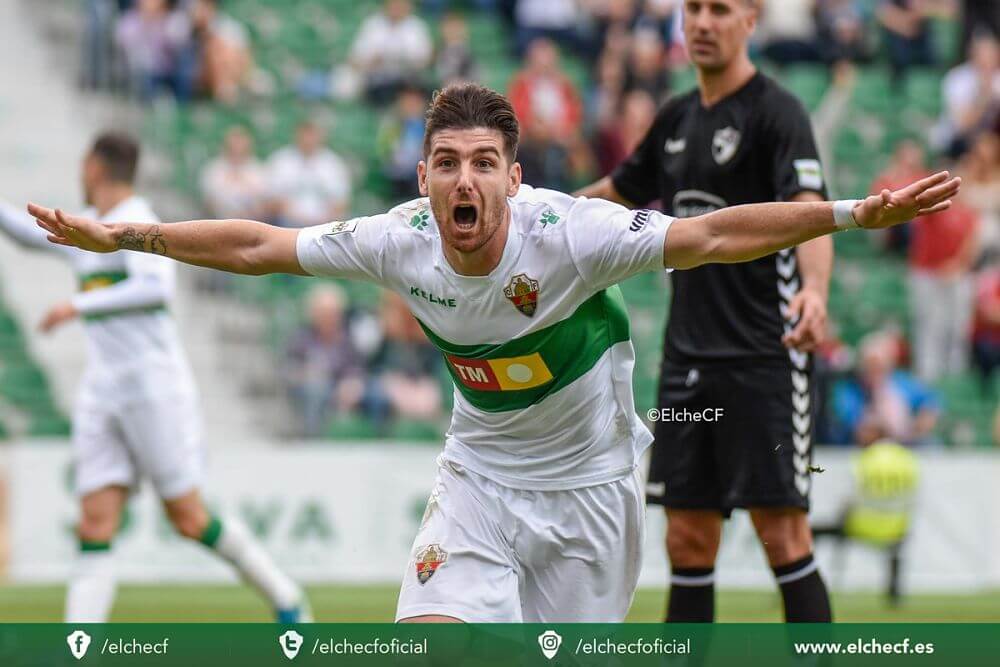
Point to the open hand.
(887, 209)
(73, 230)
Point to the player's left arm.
(808, 306)
(796, 174)
(744, 233)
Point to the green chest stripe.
(102, 279)
(93, 281)
(522, 372)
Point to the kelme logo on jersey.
(509, 374)
(724, 144)
(549, 218)
(639, 220)
(522, 291)
(429, 559)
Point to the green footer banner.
(740, 645)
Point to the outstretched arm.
(20, 227)
(744, 233)
(236, 246)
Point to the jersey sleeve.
(635, 178)
(795, 163)
(346, 249)
(150, 283)
(609, 243)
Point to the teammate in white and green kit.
(136, 415)
(536, 514)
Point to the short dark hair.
(463, 106)
(119, 153)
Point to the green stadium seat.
(415, 430)
(350, 427)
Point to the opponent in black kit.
(739, 335)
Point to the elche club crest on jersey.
(429, 559)
(724, 144)
(522, 291)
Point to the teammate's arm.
(20, 227)
(744, 233)
(236, 246)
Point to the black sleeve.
(635, 178)
(795, 163)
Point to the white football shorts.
(119, 439)
(490, 553)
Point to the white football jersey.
(539, 349)
(132, 340)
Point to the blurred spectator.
(154, 38)
(405, 368)
(400, 142)
(986, 330)
(840, 26)
(647, 70)
(97, 71)
(544, 159)
(658, 16)
(786, 30)
(605, 94)
(971, 93)
(942, 251)
(234, 184)
(221, 51)
(541, 92)
(907, 30)
(978, 16)
(884, 402)
(619, 137)
(552, 19)
(454, 60)
(980, 171)
(392, 47)
(833, 360)
(309, 184)
(323, 371)
(906, 166)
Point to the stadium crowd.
(573, 131)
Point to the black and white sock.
(692, 595)
(803, 591)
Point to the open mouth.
(466, 216)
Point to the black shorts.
(732, 436)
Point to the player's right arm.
(236, 246)
(352, 249)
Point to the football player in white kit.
(537, 512)
(136, 414)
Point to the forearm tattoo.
(151, 241)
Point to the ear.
(514, 179)
(422, 178)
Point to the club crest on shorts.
(522, 291)
(724, 144)
(429, 559)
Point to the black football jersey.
(756, 145)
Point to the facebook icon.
(79, 642)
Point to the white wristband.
(843, 214)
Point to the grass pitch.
(373, 604)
